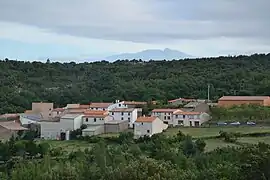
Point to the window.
(122, 113)
(86, 119)
(50, 114)
(165, 122)
(181, 123)
(197, 123)
(129, 113)
(148, 131)
(176, 116)
(119, 105)
(95, 120)
(184, 116)
(112, 113)
(190, 123)
(168, 117)
(103, 109)
(128, 119)
(165, 113)
(142, 123)
(164, 117)
(122, 118)
(50, 109)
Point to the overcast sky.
(69, 29)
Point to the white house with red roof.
(166, 115)
(125, 114)
(189, 118)
(148, 126)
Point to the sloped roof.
(146, 119)
(134, 103)
(122, 110)
(99, 105)
(165, 110)
(70, 116)
(95, 113)
(243, 98)
(12, 125)
(192, 104)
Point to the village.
(102, 118)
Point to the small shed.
(93, 130)
(115, 126)
(9, 128)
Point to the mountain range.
(151, 54)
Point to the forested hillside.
(24, 82)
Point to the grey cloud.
(152, 21)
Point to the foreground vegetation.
(243, 113)
(174, 156)
(23, 82)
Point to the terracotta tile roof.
(165, 110)
(122, 110)
(76, 111)
(59, 109)
(146, 119)
(5, 116)
(86, 106)
(243, 98)
(95, 113)
(134, 103)
(99, 105)
(12, 125)
(187, 113)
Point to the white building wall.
(190, 120)
(77, 122)
(93, 121)
(167, 118)
(50, 130)
(142, 129)
(71, 123)
(125, 116)
(117, 105)
(158, 126)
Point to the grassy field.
(211, 144)
(214, 131)
(69, 146)
(254, 140)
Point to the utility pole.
(208, 92)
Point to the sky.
(68, 30)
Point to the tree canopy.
(62, 83)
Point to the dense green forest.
(62, 83)
(122, 158)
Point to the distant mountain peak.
(148, 54)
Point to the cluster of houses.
(98, 118)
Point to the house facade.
(95, 117)
(148, 126)
(166, 115)
(190, 119)
(52, 129)
(125, 114)
(228, 101)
